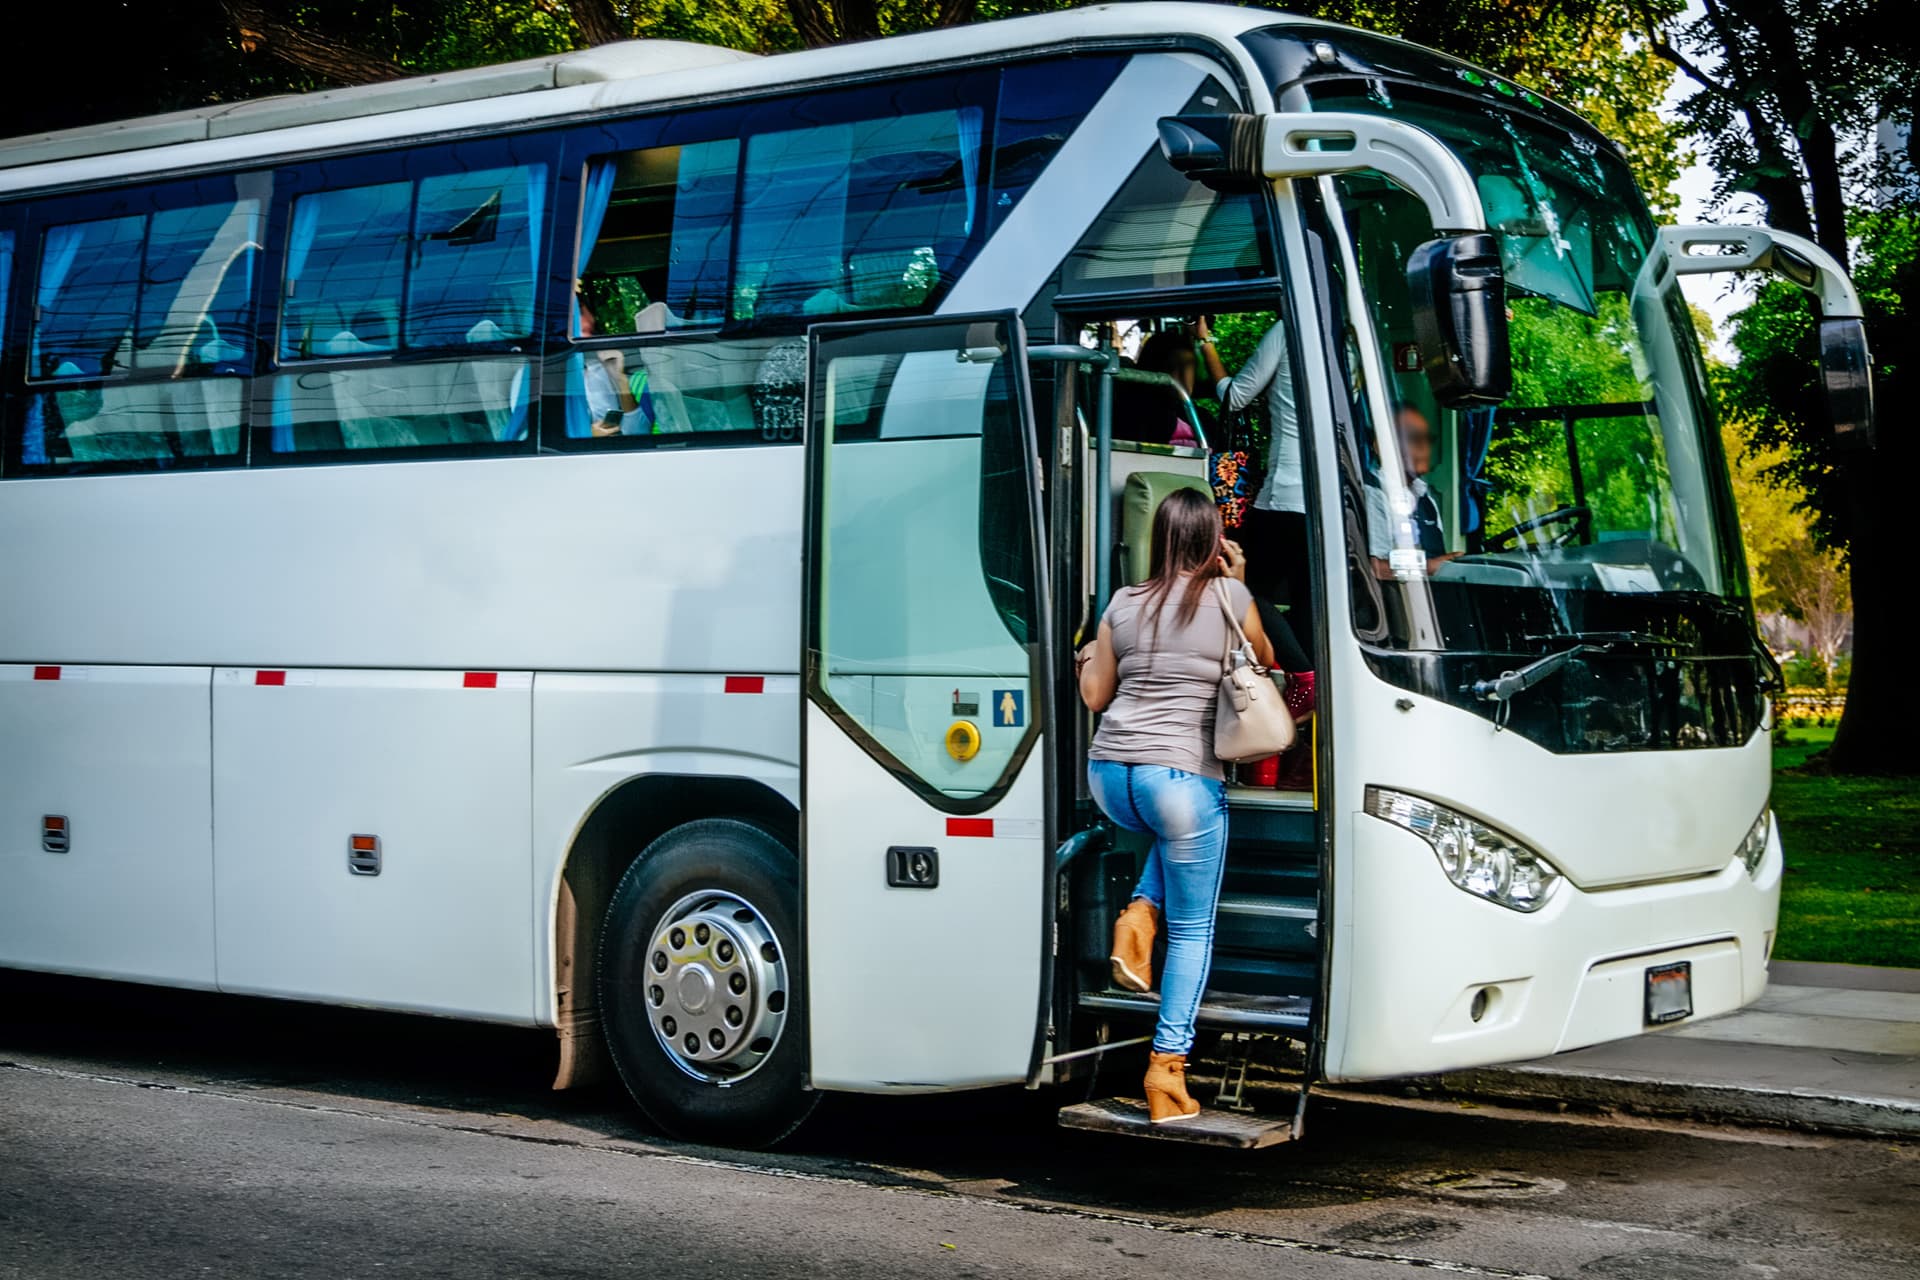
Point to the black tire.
(724, 856)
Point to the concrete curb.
(1829, 1112)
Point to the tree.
(1786, 97)
(1771, 518)
(1858, 506)
(1811, 582)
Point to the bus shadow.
(997, 1142)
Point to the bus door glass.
(924, 806)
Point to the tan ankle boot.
(1133, 946)
(1167, 1099)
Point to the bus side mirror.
(1221, 151)
(1846, 366)
(1460, 319)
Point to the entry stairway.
(1264, 978)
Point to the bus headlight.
(1478, 859)
(1753, 848)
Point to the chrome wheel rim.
(717, 990)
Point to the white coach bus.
(597, 543)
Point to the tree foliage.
(1786, 97)
(1586, 53)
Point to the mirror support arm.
(1704, 250)
(1295, 145)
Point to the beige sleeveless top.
(1163, 711)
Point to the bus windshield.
(1593, 501)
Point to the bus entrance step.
(1278, 1014)
(1210, 1128)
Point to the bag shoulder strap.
(1226, 606)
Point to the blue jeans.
(1187, 814)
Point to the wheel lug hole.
(692, 1042)
(678, 938)
(737, 984)
(656, 996)
(716, 1039)
(701, 934)
(659, 962)
(724, 951)
(668, 1025)
(734, 1016)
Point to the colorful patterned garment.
(1231, 473)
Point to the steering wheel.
(1578, 519)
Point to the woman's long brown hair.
(1186, 539)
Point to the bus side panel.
(593, 732)
(122, 755)
(434, 764)
(658, 560)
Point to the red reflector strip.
(482, 680)
(55, 822)
(746, 684)
(970, 827)
(269, 677)
(46, 673)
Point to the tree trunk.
(1792, 87)
(812, 22)
(265, 31)
(1878, 728)
(597, 21)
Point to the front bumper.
(1419, 957)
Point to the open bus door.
(924, 771)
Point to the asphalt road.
(151, 1133)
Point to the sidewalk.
(1829, 1046)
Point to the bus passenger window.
(738, 391)
(346, 257)
(656, 226)
(875, 215)
(477, 256)
(143, 330)
(436, 275)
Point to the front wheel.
(705, 1015)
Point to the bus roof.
(633, 72)
(628, 60)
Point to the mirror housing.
(1846, 367)
(1222, 151)
(1460, 319)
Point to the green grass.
(1852, 888)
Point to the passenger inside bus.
(609, 396)
(1171, 352)
(1275, 534)
(1429, 533)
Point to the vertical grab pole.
(1103, 487)
(1103, 361)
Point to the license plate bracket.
(1669, 992)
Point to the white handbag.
(1251, 720)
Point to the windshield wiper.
(1503, 687)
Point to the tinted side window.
(1163, 231)
(447, 261)
(1041, 103)
(656, 230)
(89, 284)
(869, 215)
(141, 339)
(407, 307)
